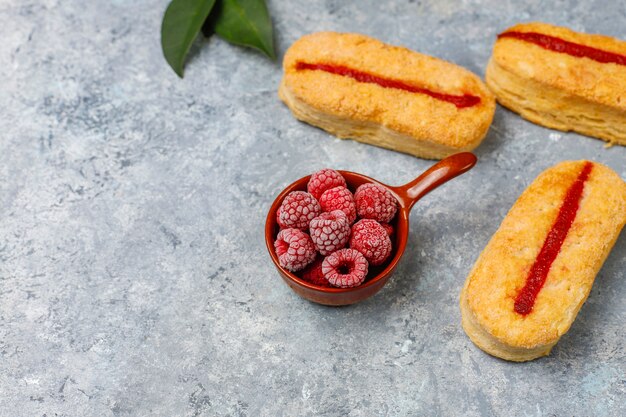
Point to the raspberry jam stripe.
(460, 101)
(525, 299)
(555, 44)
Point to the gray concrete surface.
(134, 280)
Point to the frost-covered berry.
(295, 249)
(375, 202)
(339, 198)
(313, 273)
(372, 240)
(345, 268)
(297, 210)
(330, 231)
(323, 180)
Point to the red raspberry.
(375, 202)
(345, 268)
(313, 273)
(339, 198)
(388, 228)
(295, 249)
(297, 210)
(330, 231)
(324, 180)
(372, 240)
(278, 216)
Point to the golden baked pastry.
(357, 87)
(562, 79)
(531, 279)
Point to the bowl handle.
(436, 175)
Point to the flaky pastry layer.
(558, 90)
(408, 122)
(487, 299)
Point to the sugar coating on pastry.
(562, 79)
(357, 87)
(488, 299)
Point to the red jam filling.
(552, 245)
(555, 44)
(460, 101)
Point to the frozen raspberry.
(372, 240)
(330, 231)
(297, 210)
(278, 216)
(345, 268)
(375, 202)
(388, 228)
(313, 273)
(339, 198)
(295, 249)
(324, 180)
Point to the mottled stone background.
(134, 279)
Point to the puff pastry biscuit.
(562, 79)
(357, 87)
(534, 275)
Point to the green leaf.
(246, 23)
(181, 23)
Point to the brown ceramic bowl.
(407, 195)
